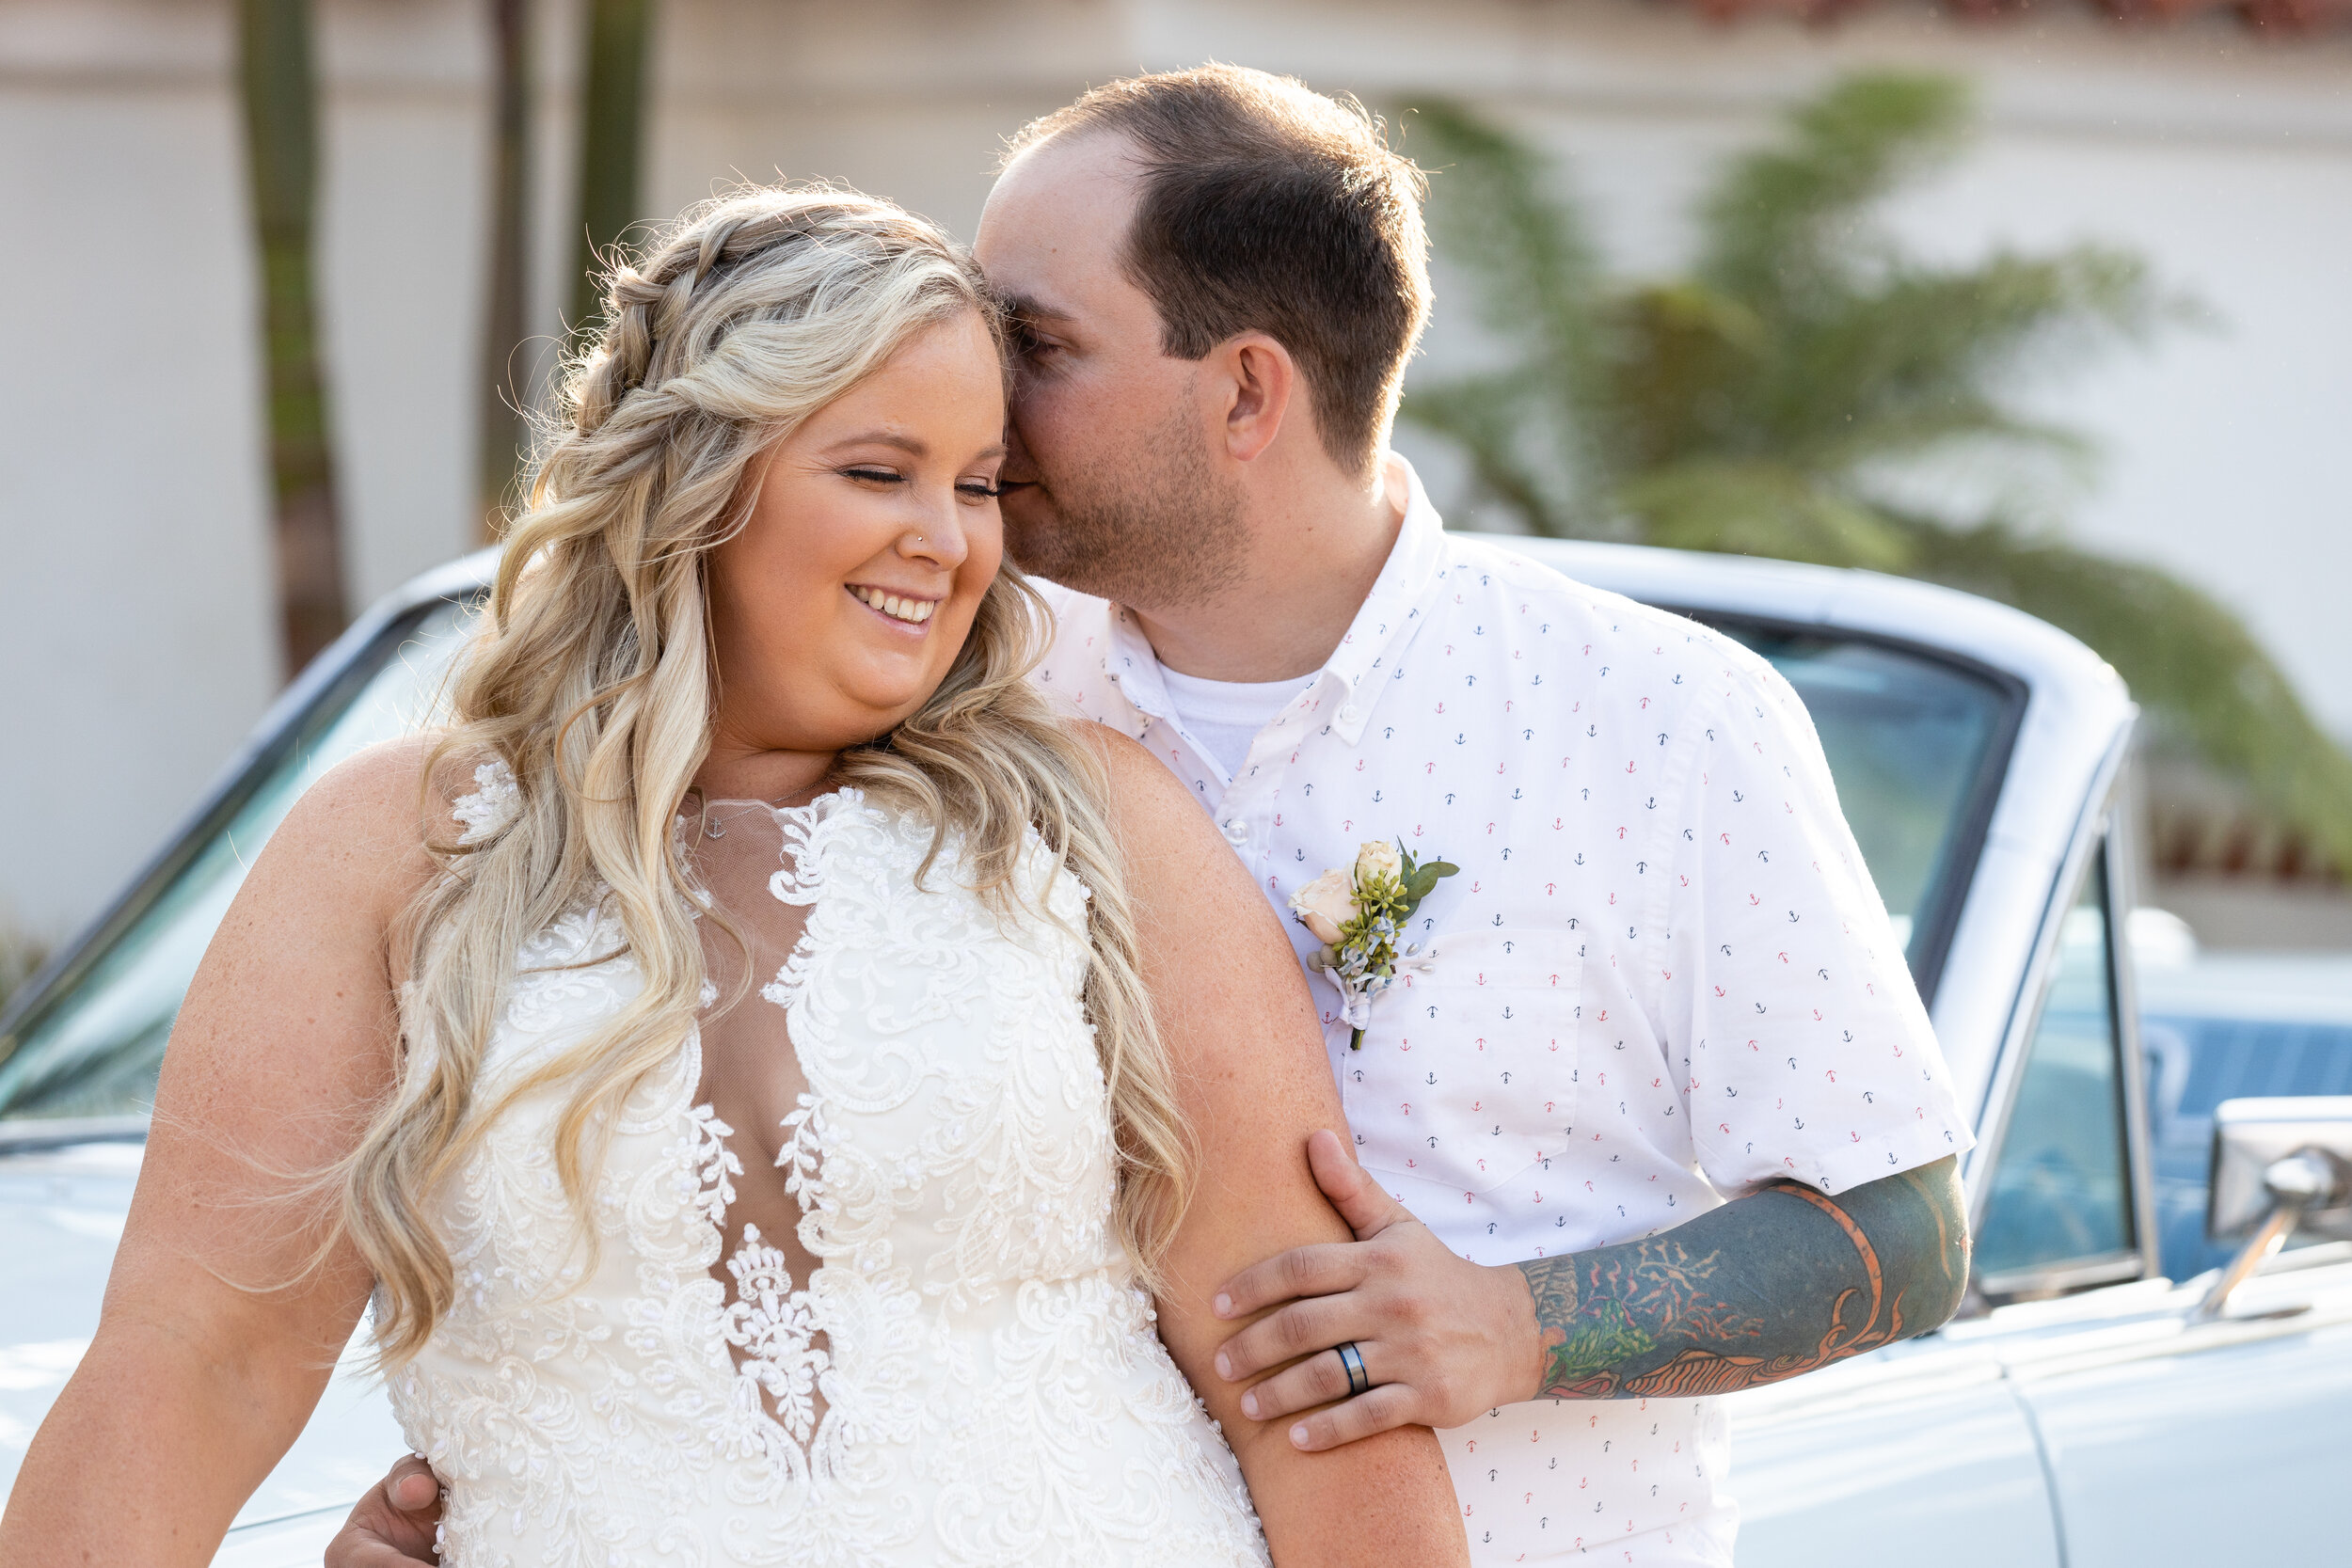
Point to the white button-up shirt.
(1663, 975)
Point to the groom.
(1662, 1117)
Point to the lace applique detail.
(991, 1388)
(707, 1167)
(495, 800)
(773, 1326)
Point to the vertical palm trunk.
(501, 430)
(282, 149)
(612, 139)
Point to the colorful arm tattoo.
(1777, 1283)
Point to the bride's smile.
(869, 535)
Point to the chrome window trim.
(2054, 1280)
(2139, 1146)
(2000, 1091)
(2106, 835)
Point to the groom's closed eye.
(1029, 344)
(1026, 322)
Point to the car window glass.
(2061, 1187)
(93, 1048)
(1908, 740)
(2198, 1057)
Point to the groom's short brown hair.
(1265, 206)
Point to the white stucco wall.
(141, 638)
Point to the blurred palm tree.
(501, 433)
(279, 96)
(1774, 399)
(611, 144)
(616, 50)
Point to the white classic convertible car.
(2083, 1410)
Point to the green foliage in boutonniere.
(1359, 917)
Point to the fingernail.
(1249, 1404)
(1298, 1435)
(1224, 1367)
(1224, 1306)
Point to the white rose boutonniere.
(1360, 918)
(1326, 905)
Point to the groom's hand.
(1442, 1340)
(393, 1526)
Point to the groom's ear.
(1257, 379)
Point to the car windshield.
(1917, 747)
(91, 1045)
(1915, 744)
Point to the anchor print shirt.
(1662, 977)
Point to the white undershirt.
(1226, 716)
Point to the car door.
(2175, 1441)
(2167, 1439)
(1920, 1453)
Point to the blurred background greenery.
(1773, 397)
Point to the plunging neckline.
(766, 1314)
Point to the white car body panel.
(61, 1214)
(1954, 1472)
(2160, 1430)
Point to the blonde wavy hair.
(592, 680)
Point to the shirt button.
(1350, 713)
(1236, 830)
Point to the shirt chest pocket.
(1467, 1072)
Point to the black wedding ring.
(1353, 1359)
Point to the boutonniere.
(1359, 916)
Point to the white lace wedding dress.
(965, 1372)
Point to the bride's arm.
(193, 1387)
(1232, 1007)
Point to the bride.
(771, 1078)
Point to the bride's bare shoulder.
(1149, 806)
(1176, 859)
(367, 826)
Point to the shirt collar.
(1133, 667)
(1393, 612)
(1390, 614)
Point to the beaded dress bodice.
(970, 1376)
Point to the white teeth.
(914, 611)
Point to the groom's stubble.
(1143, 520)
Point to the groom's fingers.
(1367, 1210)
(393, 1526)
(1387, 1406)
(1302, 1328)
(1322, 1269)
(1321, 1379)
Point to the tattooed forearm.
(1772, 1285)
